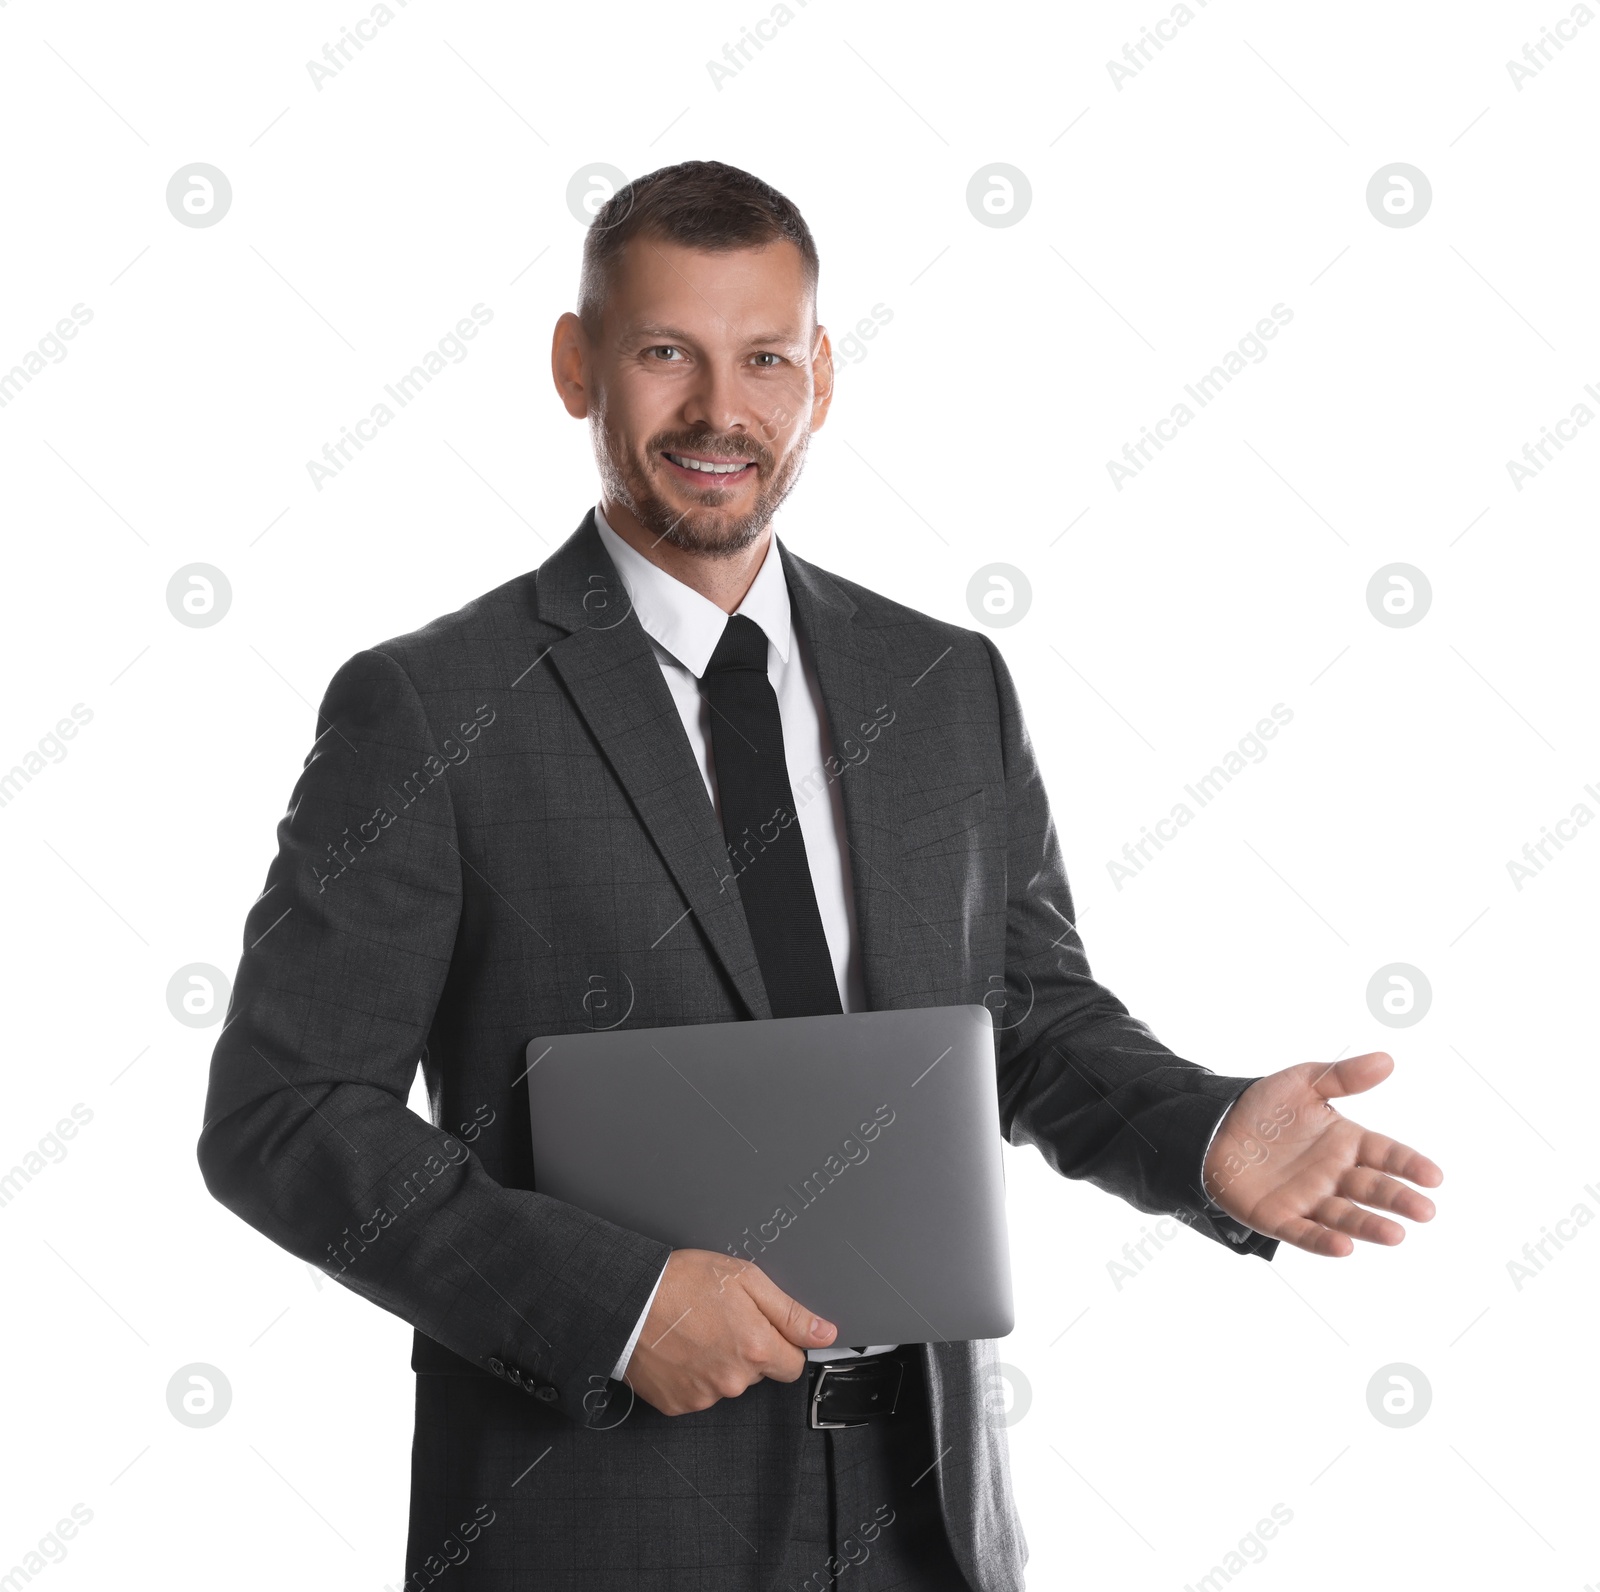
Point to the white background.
(1162, 1419)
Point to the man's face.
(703, 389)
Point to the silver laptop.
(855, 1158)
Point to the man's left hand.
(1287, 1164)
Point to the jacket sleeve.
(1080, 1078)
(307, 1133)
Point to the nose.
(714, 402)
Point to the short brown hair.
(702, 204)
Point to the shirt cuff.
(1211, 1204)
(638, 1327)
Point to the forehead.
(717, 294)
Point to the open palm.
(1286, 1163)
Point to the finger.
(784, 1362)
(1313, 1237)
(1368, 1226)
(769, 1354)
(1353, 1075)
(797, 1324)
(757, 1351)
(1372, 1188)
(1398, 1160)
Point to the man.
(679, 775)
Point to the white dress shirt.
(684, 628)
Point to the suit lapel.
(853, 669)
(608, 666)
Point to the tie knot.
(743, 646)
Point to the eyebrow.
(676, 334)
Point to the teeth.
(710, 469)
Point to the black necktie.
(766, 851)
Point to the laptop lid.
(854, 1157)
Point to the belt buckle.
(825, 1368)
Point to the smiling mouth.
(709, 471)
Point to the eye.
(777, 359)
(663, 348)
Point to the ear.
(569, 365)
(822, 377)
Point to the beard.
(705, 526)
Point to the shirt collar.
(683, 621)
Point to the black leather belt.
(856, 1391)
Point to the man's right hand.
(718, 1325)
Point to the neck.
(723, 580)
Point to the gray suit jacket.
(500, 831)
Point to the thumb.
(1353, 1075)
(797, 1324)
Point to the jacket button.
(546, 1393)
